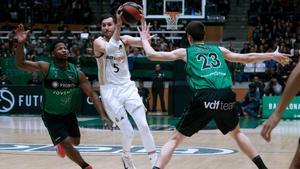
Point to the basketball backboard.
(187, 9)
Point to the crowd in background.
(46, 11)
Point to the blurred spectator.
(136, 53)
(158, 88)
(46, 31)
(259, 85)
(34, 81)
(273, 88)
(251, 102)
(4, 80)
(144, 93)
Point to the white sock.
(153, 159)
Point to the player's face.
(108, 27)
(61, 51)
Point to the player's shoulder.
(99, 39)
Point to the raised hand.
(281, 58)
(119, 14)
(144, 30)
(21, 34)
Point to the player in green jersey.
(208, 76)
(62, 82)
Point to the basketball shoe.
(127, 161)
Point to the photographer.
(273, 88)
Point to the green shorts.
(207, 105)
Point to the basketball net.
(172, 20)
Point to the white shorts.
(119, 99)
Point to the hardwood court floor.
(30, 130)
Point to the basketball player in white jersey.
(119, 94)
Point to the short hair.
(106, 16)
(196, 30)
(53, 45)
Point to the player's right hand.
(119, 14)
(269, 126)
(21, 34)
(281, 58)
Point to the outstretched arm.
(255, 57)
(114, 41)
(291, 89)
(158, 56)
(88, 90)
(21, 36)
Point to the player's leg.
(72, 153)
(247, 147)
(154, 96)
(127, 134)
(135, 107)
(194, 118)
(162, 100)
(168, 149)
(227, 121)
(139, 116)
(60, 129)
(296, 160)
(112, 98)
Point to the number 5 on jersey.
(117, 69)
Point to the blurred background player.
(62, 82)
(118, 93)
(211, 82)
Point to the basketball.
(131, 13)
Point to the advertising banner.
(292, 111)
(20, 99)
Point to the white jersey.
(113, 66)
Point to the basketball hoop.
(172, 20)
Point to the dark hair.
(105, 16)
(53, 45)
(196, 30)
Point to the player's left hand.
(144, 31)
(281, 58)
(21, 34)
(271, 123)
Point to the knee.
(144, 128)
(233, 134)
(177, 138)
(75, 141)
(66, 144)
(128, 133)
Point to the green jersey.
(61, 93)
(206, 67)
